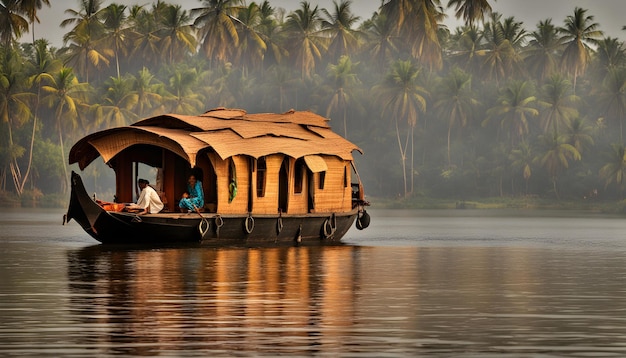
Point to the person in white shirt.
(148, 201)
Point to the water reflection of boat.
(221, 301)
(295, 178)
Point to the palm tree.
(514, 32)
(559, 104)
(88, 16)
(403, 99)
(470, 10)
(14, 110)
(381, 39)
(556, 157)
(64, 95)
(338, 25)
(231, 86)
(466, 48)
(455, 101)
(269, 17)
(12, 23)
(117, 33)
(118, 103)
(181, 95)
(614, 171)
(83, 51)
(216, 26)
(522, 159)
(610, 54)
(252, 47)
(144, 25)
(543, 50)
(43, 65)
(270, 30)
(612, 97)
(502, 55)
(496, 51)
(30, 8)
(578, 33)
(417, 22)
(278, 82)
(580, 134)
(147, 91)
(514, 107)
(342, 78)
(176, 33)
(306, 41)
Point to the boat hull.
(111, 227)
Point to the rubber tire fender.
(363, 220)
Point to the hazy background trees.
(492, 108)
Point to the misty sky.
(608, 13)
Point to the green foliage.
(9, 200)
(48, 168)
(491, 109)
(31, 198)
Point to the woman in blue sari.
(193, 199)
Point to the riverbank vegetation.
(499, 203)
(493, 109)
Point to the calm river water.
(459, 283)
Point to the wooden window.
(322, 180)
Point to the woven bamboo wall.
(298, 202)
(240, 202)
(268, 204)
(335, 196)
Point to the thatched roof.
(228, 131)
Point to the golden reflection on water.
(434, 286)
(346, 299)
(217, 298)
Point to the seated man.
(149, 201)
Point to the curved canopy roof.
(228, 131)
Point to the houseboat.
(266, 178)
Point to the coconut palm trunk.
(32, 143)
(66, 175)
(402, 156)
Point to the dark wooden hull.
(206, 228)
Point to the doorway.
(283, 186)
